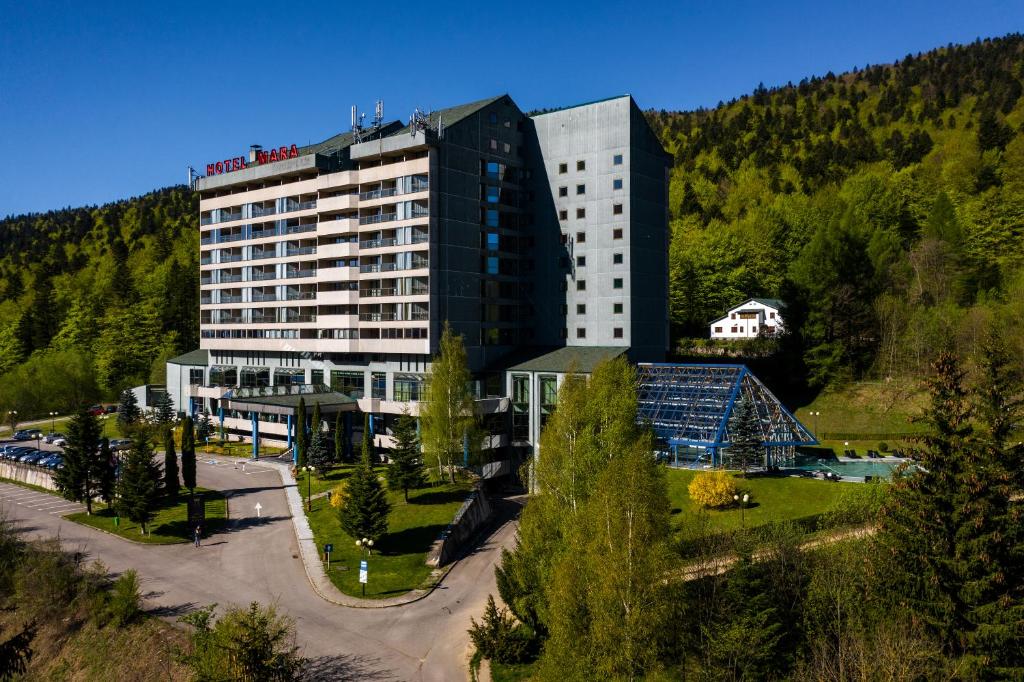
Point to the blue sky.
(100, 101)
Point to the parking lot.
(11, 494)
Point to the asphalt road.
(256, 559)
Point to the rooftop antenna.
(378, 114)
(357, 124)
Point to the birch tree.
(446, 417)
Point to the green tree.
(318, 454)
(139, 487)
(300, 433)
(164, 408)
(204, 426)
(107, 486)
(365, 511)
(128, 413)
(79, 479)
(496, 636)
(339, 437)
(188, 455)
(447, 420)
(746, 447)
(171, 483)
(405, 470)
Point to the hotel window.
(352, 384)
(581, 261)
(581, 332)
(506, 147)
(617, 283)
(195, 377)
(494, 144)
(520, 406)
(564, 239)
(581, 285)
(408, 387)
(581, 189)
(563, 214)
(581, 237)
(617, 308)
(508, 123)
(617, 332)
(563, 191)
(617, 233)
(581, 213)
(617, 159)
(255, 376)
(581, 165)
(563, 168)
(547, 387)
(581, 308)
(617, 259)
(617, 183)
(617, 209)
(492, 117)
(316, 376)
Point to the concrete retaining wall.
(473, 514)
(27, 474)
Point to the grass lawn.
(865, 410)
(771, 499)
(329, 481)
(170, 524)
(398, 563)
(512, 672)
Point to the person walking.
(198, 533)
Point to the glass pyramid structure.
(690, 409)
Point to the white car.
(60, 442)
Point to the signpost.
(196, 511)
(328, 548)
(362, 574)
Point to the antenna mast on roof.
(420, 121)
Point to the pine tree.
(139, 487)
(128, 412)
(366, 508)
(80, 476)
(746, 447)
(300, 433)
(203, 426)
(447, 419)
(188, 455)
(164, 408)
(318, 455)
(171, 484)
(107, 485)
(339, 438)
(406, 468)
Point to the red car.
(96, 410)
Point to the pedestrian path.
(11, 494)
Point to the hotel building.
(330, 270)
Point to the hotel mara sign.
(261, 157)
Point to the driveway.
(256, 559)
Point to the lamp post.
(367, 545)
(309, 484)
(742, 501)
(816, 414)
(12, 417)
(53, 416)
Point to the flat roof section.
(580, 358)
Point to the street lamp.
(367, 545)
(816, 415)
(12, 417)
(309, 484)
(53, 415)
(742, 501)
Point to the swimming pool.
(875, 469)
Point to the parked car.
(51, 462)
(110, 409)
(14, 454)
(52, 436)
(96, 410)
(61, 442)
(121, 444)
(24, 435)
(32, 457)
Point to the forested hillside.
(885, 206)
(94, 299)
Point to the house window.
(581, 285)
(617, 233)
(753, 330)
(581, 261)
(581, 237)
(617, 308)
(563, 168)
(581, 213)
(718, 330)
(734, 317)
(581, 308)
(617, 209)
(771, 316)
(734, 329)
(617, 283)
(617, 259)
(581, 165)
(581, 189)
(617, 183)
(617, 159)
(563, 214)
(581, 332)
(563, 191)
(617, 332)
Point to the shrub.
(712, 489)
(497, 637)
(125, 600)
(883, 447)
(338, 495)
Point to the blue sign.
(362, 571)
(328, 548)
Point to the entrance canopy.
(285, 399)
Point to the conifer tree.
(80, 476)
(405, 471)
(139, 487)
(128, 413)
(339, 438)
(300, 433)
(164, 408)
(188, 455)
(746, 447)
(318, 455)
(203, 426)
(365, 511)
(171, 484)
(107, 486)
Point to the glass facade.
(352, 384)
(548, 388)
(520, 407)
(408, 387)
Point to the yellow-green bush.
(712, 489)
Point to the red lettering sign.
(262, 157)
(294, 152)
(210, 169)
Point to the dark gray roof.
(193, 357)
(581, 358)
(453, 115)
(770, 302)
(327, 399)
